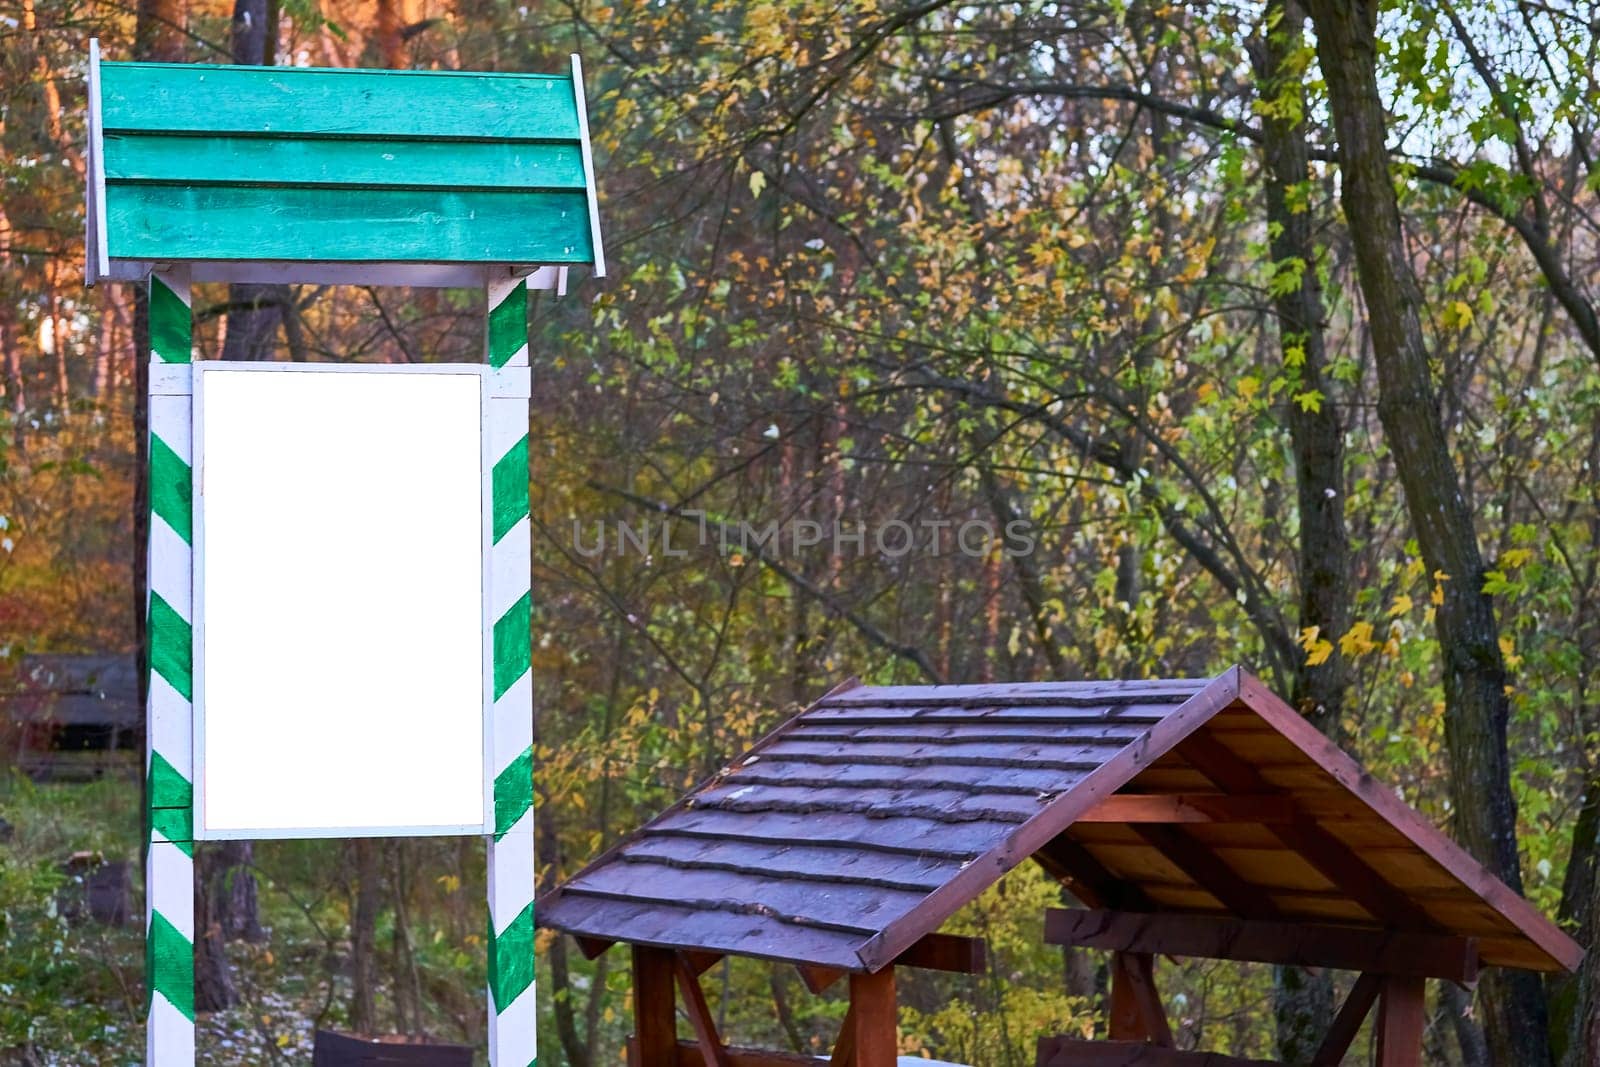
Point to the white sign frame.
(491, 383)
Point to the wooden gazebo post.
(655, 1023)
(869, 1036)
(870, 1030)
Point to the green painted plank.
(174, 824)
(273, 161)
(513, 644)
(171, 488)
(513, 793)
(511, 962)
(310, 224)
(198, 98)
(509, 479)
(169, 965)
(166, 786)
(508, 329)
(171, 647)
(171, 325)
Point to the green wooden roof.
(311, 174)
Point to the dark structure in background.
(97, 890)
(1199, 818)
(344, 1050)
(75, 716)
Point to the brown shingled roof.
(863, 823)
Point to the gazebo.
(1198, 818)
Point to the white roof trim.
(295, 272)
(588, 167)
(97, 256)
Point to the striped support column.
(512, 1008)
(169, 819)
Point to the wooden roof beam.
(592, 947)
(1134, 808)
(700, 962)
(1255, 941)
(951, 953)
(818, 979)
(694, 1004)
(1337, 861)
(1136, 1009)
(1347, 1024)
(1209, 872)
(1089, 879)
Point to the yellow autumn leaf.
(1391, 647)
(1249, 386)
(1317, 648)
(1508, 649)
(1358, 641)
(1401, 606)
(1458, 315)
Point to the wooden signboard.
(339, 601)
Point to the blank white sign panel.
(340, 613)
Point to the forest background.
(1274, 325)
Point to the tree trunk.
(254, 310)
(1471, 1047)
(1572, 998)
(159, 30)
(59, 336)
(105, 351)
(363, 939)
(405, 977)
(391, 35)
(237, 911)
(575, 1049)
(233, 902)
(1475, 676)
(213, 981)
(1303, 1000)
(11, 335)
(1315, 432)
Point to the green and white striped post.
(169, 818)
(512, 1010)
